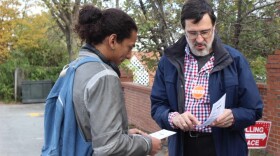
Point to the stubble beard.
(204, 51)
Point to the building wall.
(137, 99)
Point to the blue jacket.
(231, 75)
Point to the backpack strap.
(76, 63)
(81, 60)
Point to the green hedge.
(7, 78)
(7, 81)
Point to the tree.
(159, 26)
(39, 41)
(65, 13)
(8, 20)
(252, 26)
(158, 22)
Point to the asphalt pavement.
(21, 130)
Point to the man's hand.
(156, 146)
(156, 143)
(185, 121)
(224, 120)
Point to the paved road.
(21, 130)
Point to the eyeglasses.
(194, 34)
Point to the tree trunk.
(237, 25)
(65, 15)
(69, 40)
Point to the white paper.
(162, 134)
(217, 109)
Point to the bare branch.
(258, 8)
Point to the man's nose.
(199, 38)
(129, 55)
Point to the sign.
(257, 135)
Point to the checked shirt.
(200, 108)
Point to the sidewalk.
(22, 127)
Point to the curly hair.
(94, 25)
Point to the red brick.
(272, 66)
(276, 74)
(274, 70)
(273, 61)
(277, 52)
(272, 57)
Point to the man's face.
(200, 36)
(123, 49)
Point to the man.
(192, 75)
(98, 107)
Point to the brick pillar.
(272, 105)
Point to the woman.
(109, 35)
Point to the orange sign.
(198, 92)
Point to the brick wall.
(272, 102)
(126, 76)
(138, 105)
(137, 99)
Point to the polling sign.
(257, 135)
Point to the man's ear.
(112, 41)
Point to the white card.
(162, 134)
(217, 109)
